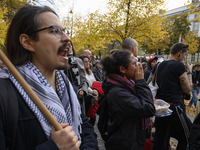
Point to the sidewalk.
(100, 141)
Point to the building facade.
(194, 27)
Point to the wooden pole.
(30, 92)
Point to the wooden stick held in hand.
(30, 92)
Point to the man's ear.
(122, 69)
(26, 42)
(133, 50)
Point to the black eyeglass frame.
(62, 30)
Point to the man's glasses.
(134, 62)
(56, 30)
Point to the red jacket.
(92, 109)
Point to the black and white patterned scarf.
(62, 103)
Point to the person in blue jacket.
(36, 44)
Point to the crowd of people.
(70, 87)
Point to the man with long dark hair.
(36, 44)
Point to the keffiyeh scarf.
(62, 103)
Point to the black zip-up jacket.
(126, 113)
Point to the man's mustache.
(63, 47)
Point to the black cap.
(144, 64)
(197, 65)
(97, 61)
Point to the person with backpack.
(36, 44)
(129, 102)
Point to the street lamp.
(71, 12)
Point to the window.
(196, 24)
(192, 57)
(195, 16)
(187, 18)
(190, 27)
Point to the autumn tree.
(194, 8)
(192, 41)
(132, 18)
(124, 18)
(158, 47)
(3, 29)
(178, 24)
(10, 7)
(86, 34)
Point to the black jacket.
(148, 71)
(97, 73)
(126, 113)
(30, 135)
(196, 77)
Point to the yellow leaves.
(9, 7)
(86, 33)
(192, 41)
(194, 8)
(3, 28)
(137, 19)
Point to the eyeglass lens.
(58, 31)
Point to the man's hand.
(93, 101)
(95, 93)
(66, 138)
(189, 67)
(139, 74)
(80, 94)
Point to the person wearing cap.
(196, 85)
(174, 81)
(150, 65)
(144, 66)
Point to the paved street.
(101, 143)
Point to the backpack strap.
(9, 109)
